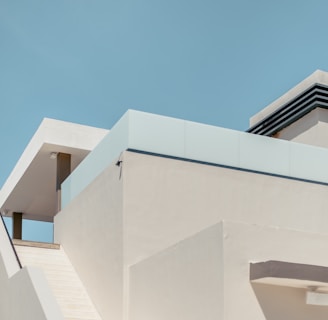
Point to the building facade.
(167, 219)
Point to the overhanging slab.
(290, 274)
(31, 187)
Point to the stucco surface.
(144, 229)
(182, 282)
(244, 243)
(311, 129)
(90, 229)
(167, 200)
(178, 138)
(206, 276)
(26, 295)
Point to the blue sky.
(217, 62)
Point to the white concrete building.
(167, 219)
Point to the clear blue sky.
(88, 61)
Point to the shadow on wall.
(284, 303)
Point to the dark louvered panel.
(314, 97)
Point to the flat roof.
(186, 140)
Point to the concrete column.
(17, 225)
(63, 168)
(63, 171)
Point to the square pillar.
(63, 171)
(63, 168)
(17, 225)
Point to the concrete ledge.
(290, 274)
(44, 245)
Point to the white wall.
(183, 282)
(90, 231)
(199, 142)
(167, 200)
(7, 252)
(26, 295)
(244, 243)
(144, 207)
(5, 297)
(311, 129)
(206, 276)
(31, 297)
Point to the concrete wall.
(131, 237)
(6, 305)
(167, 200)
(245, 243)
(207, 276)
(7, 253)
(183, 282)
(31, 297)
(199, 142)
(310, 129)
(26, 295)
(90, 229)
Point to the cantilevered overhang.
(31, 187)
(311, 93)
(288, 274)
